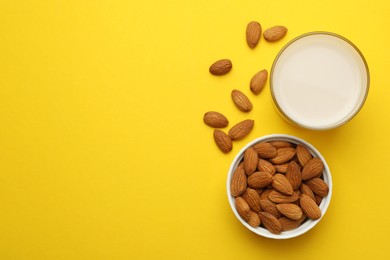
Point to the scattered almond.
(275, 33)
(223, 141)
(241, 101)
(241, 129)
(215, 119)
(253, 34)
(258, 81)
(220, 67)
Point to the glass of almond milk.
(319, 80)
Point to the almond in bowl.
(279, 186)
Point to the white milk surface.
(319, 81)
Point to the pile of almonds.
(221, 67)
(278, 185)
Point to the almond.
(265, 193)
(259, 180)
(281, 184)
(215, 119)
(242, 208)
(254, 219)
(220, 67)
(275, 33)
(309, 207)
(265, 150)
(303, 155)
(318, 186)
(277, 197)
(290, 224)
(318, 199)
(258, 81)
(282, 168)
(241, 129)
(223, 141)
(294, 175)
(259, 191)
(313, 168)
(270, 222)
(284, 155)
(270, 207)
(280, 144)
(252, 198)
(241, 101)
(251, 161)
(266, 166)
(306, 190)
(239, 181)
(253, 33)
(290, 210)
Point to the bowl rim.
(309, 224)
(313, 33)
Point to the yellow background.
(103, 151)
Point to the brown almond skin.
(251, 161)
(243, 208)
(241, 129)
(221, 67)
(215, 119)
(270, 207)
(258, 81)
(294, 175)
(303, 155)
(290, 210)
(312, 169)
(266, 166)
(310, 207)
(241, 101)
(306, 190)
(223, 141)
(238, 183)
(280, 144)
(318, 186)
(259, 180)
(282, 168)
(253, 34)
(253, 199)
(282, 184)
(254, 219)
(284, 155)
(265, 150)
(290, 224)
(278, 197)
(270, 222)
(275, 33)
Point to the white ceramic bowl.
(319, 80)
(308, 224)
